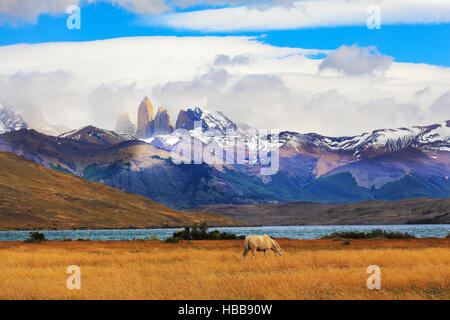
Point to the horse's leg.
(265, 252)
(244, 254)
(253, 252)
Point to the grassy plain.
(308, 269)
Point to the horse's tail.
(246, 246)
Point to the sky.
(335, 67)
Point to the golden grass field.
(308, 269)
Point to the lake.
(293, 232)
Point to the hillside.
(35, 197)
(407, 211)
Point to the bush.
(200, 232)
(36, 237)
(374, 234)
(172, 240)
(153, 236)
(448, 236)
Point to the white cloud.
(247, 14)
(12, 11)
(353, 60)
(15, 11)
(224, 60)
(307, 14)
(442, 105)
(140, 6)
(85, 83)
(253, 4)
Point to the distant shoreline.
(286, 232)
(222, 226)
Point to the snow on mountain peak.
(434, 137)
(95, 135)
(10, 120)
(218, 129)
(209, 120)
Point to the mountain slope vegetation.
(35, 197)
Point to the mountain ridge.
(372, 212)
(311, 166)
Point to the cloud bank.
(239, 15)
(353, 60)
(308, 14)
(83, 83)
(27, 11)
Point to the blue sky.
(416, 43)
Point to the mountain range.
(386, 164)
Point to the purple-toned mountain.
(209, 120)
(95, 135)
(388, 164)
(378, 157)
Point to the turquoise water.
(293, 232)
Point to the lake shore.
(292, 232)
(144, 269)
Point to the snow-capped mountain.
(215, 129)
(210, 120)
(373, 159)
(435, 137)
(96, 135)
(386, 164)
(218, 129)
(10, 120)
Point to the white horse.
(260, 243)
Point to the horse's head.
(276, 248)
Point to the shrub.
(36, 237)
(172, 240)
(153, 236)
(200, 232)
(448, 236)
(374, 234)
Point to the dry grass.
(319, 269)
